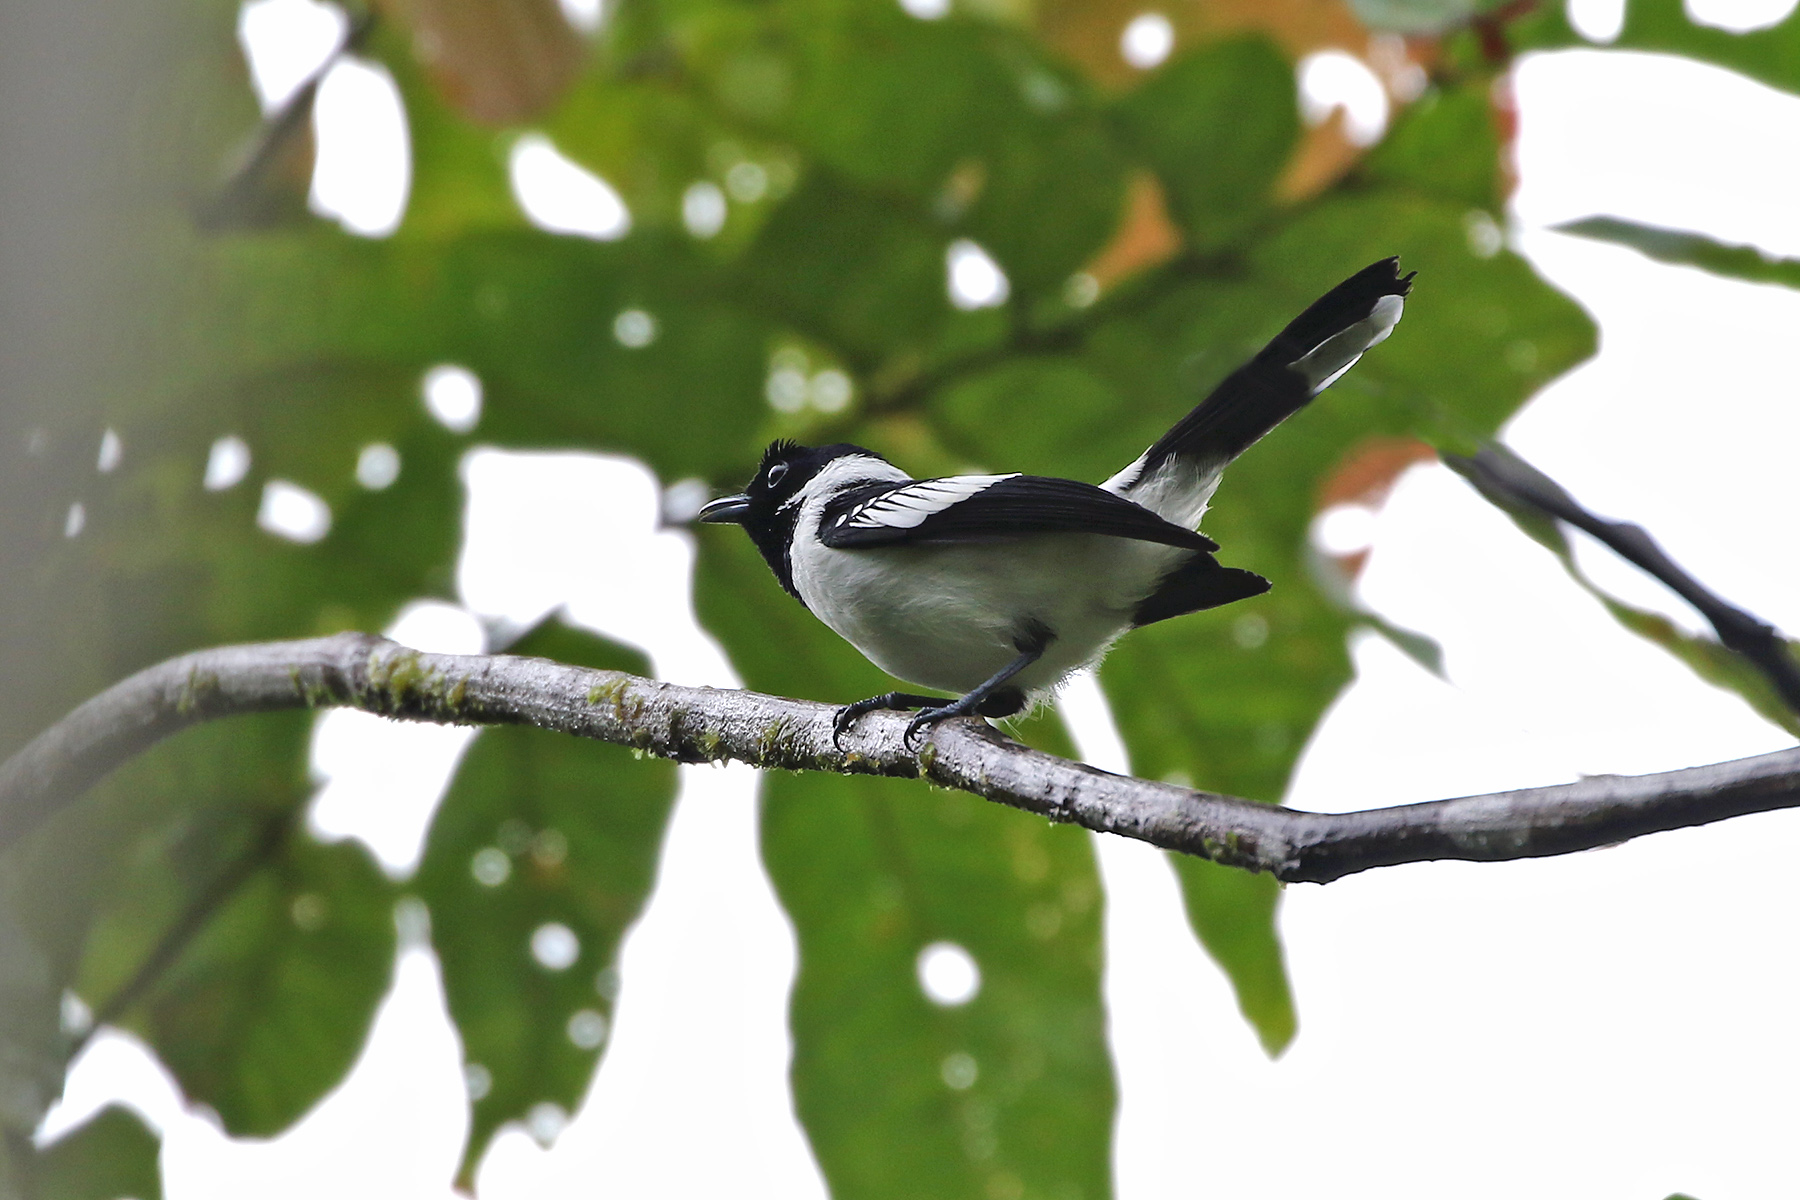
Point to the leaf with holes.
(263, 1010)
(543, 853)
(1009, 1092)
(534, 316)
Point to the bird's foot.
(932, 716)
(1001, 702)
(847, 715)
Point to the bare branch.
(705, 724)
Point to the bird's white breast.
(948, 616)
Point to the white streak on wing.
(851, 470)
(1324, 363)
(907, 507)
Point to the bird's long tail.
(1176, 477)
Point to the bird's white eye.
(777, 473)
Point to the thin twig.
(243, 201)
(692, 724)
(1512, 483)
(188, 924)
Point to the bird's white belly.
(949, 617)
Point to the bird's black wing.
(975, 508)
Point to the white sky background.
(1610, 1024)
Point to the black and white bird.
(998, 587)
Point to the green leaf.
(853, 269)
(1705, 657)
(250, 956)
(1009, 1094)
(110, 891)
(1071, 174)
(1225, 701)
(1688, 250)
(267, 1006)
(531, 314)
(1057, 415)
(1217, 125)
(651, 139)
(1444, 144)
(1770, 55)
(540, 831)
(884, 102)
(1425, 651)
(111, 1156)
(902, 1097)
(886, 99)
(1233, 913)
(173, 837)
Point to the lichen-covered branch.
(692, 724)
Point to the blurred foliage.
(1707, 657)
(1154, 227)
(540, 832)
(1689, 250)
(109, 1156)
(1770, 55)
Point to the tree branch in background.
(1513, 484)
(692, 724)
(192, 919)
(270, 180)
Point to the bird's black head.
(768, 508)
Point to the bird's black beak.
(726, 510)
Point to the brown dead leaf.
(1367, 471)
(1364, 476)
(1324, 154)
(1145, 237)
(499, 62)
(1087, 32)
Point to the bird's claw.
(847, 716)
(840, 724)
(930, 716)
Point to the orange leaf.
(1145, 236)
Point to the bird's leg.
(847, 715)
(992, 698)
